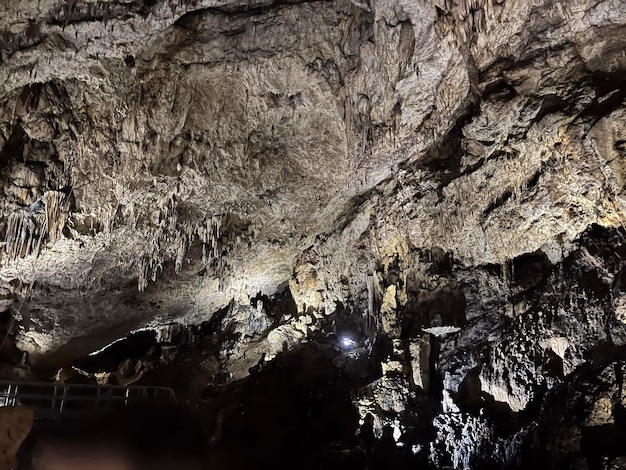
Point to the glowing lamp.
(347, 342)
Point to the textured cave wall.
(454, 166)
(245, 143)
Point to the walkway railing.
(54, 401)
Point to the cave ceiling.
(161, 160)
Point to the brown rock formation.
(448, 165)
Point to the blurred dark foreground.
(137, 438)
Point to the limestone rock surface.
(438, 185)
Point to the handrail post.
(13, 394)
(63, 400)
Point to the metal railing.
(55, 401)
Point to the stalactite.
(219, 234)
(56, 204)
(374, 296)
(142, 281)
(505, 273)
(167, 231)
(29, 227)
(209, 233)
(467, 17)
(184, 238)
(149, 267)
(168, 215)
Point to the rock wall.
(439, 182)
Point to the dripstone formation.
(395, 227)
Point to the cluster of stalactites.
(210, 233)
(467, 16)
(149, 267)
(168, 214)
(28, 228)
(152, 260)
(220, 235)
(56, 204)
(184, 238)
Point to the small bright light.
(347, 342)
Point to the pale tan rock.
(601, 413)
(388, 312)
(420, 361)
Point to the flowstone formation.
(425, 197)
